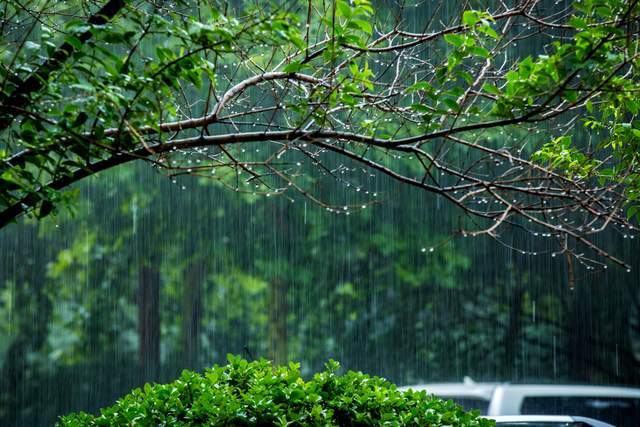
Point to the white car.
(546, 421)
(619, 406)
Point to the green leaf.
(343, 9)
(363, 25)
(488, 30)
(466, 76)
(454, 39)
(451, 104)
(420, 108)
(293, 67)
(77, 26)
(489, 88)
(425, 86)
(75, 42)
(479, 51)
(29, 45)
(571, 95)
(348, 99)
(470, 18)
(82, 86)
(578, 22)
(80, 120)
(298, 41)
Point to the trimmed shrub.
(256, 393)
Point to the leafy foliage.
(312, 81)
(256, 393)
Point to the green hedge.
(258, 394)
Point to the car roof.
(486, 390)
(572, 390)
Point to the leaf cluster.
(246, 393)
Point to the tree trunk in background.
(192, 295)
(513, 334)
(278, 311)
(17, 371)
(149, 322)
(634, 328)
(579, 329)
(31, 320)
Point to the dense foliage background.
(149, 278)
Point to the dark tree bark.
(149, 322)
(33, 311)
(278, 311)
(278, 292)
(514, 332)
(579, 329)
(634, 328)
(192, 313)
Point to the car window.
(622, 412)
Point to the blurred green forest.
(150, 277)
